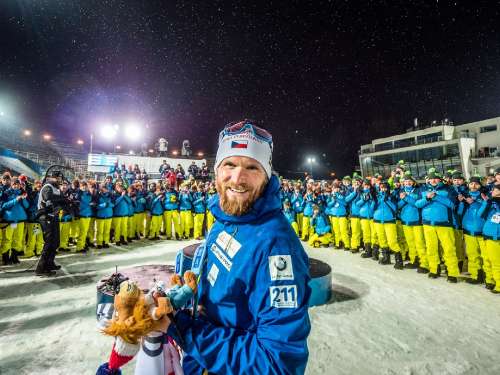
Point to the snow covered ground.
(380, 321)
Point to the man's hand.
(469, 200)
(431, 195)
(460, 197)
(402, 195)
(484, 196)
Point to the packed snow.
(379, 321)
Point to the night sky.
(323, 76)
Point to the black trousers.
(50, 229)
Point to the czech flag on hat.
(239, 144)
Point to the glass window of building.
(489, 128)
(428, 138)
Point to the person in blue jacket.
(156, 206)
(121, 203)
(185, 207)
(104, 216)
(437, 219)
(14, 207)
(490, 212)
(297, 202)
(458, 187)
(338, 211)
(322, 230)
(140, 210)
(472, 223)
(85, 214)
(290, 215)
(411, 220)
(384, 218)
(365, 204)
(254, 281)
(171, 216)
(354, 219)
(199, 211)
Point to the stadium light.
(175, 152)
(118, 147)
(311, 160)
(132, 131)
(2, 113)
(27, 133)
(151, 150)
(47, 137)
(109, 131)
(79, 141)
(131, 152)
(200, 154)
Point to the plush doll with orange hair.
(136, 315)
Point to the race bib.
(495, 219)
(173, 198)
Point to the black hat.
(476, 179)
(457, 174)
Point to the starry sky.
(323, 76)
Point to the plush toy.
(138, 316)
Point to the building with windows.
(471, 148)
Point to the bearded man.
(254, 283)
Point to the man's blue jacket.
(254, 289)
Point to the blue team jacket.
(186, 201)
(297, 203)
(409, 213)
(157, 205)
(321, 224)
(104, 206)
(490, 211)
(472, 222)
(309, 201)
(171, 201)
(290, 215)
(245, 286)
(199, 203)
(85, 199)
(384, 210)
(14, 211)
(140, 202)
(336, 205)
(351, 199)
(365, 204)
(121, 205)
(437, 211)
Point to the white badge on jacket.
(280, 267)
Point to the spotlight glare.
(108, 131)
(79, 141)
(151, 150)
(47, 137)
(132, 131)
(200, 154)
(27, 133)
(175, 152)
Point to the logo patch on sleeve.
(228, 243)
(221, 256)
(212, 274)
(283, 296)
(280, 267)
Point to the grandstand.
(32, 156)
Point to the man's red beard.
(237, 207)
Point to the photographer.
(50, 202)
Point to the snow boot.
(53, 266)
(6, 259)
(452, 279)
(422, 270)
(399, 261)
(432, 275)
(490, 286)
(13, 257)
(368, 251)
(42, 268)
(386, 257)
(375, 252)
(414, 265)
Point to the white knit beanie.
(246, 144)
